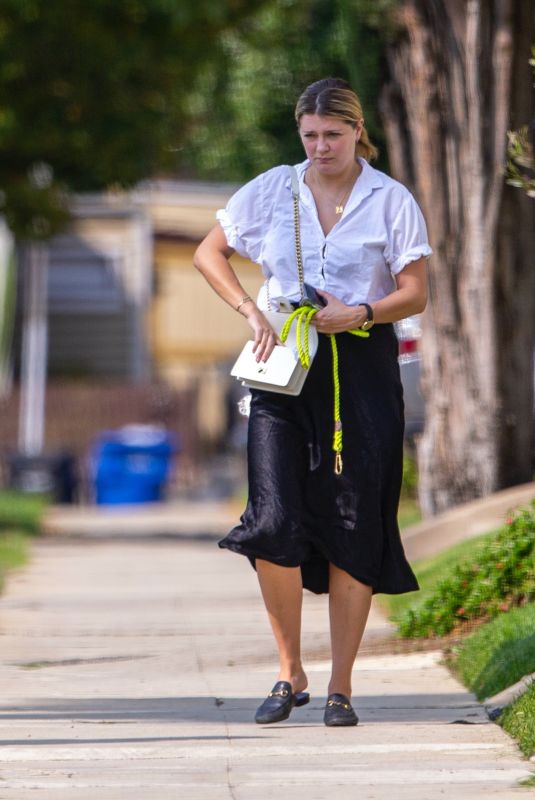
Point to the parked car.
(409, 333)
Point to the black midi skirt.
(299, 513)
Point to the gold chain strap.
(298, 251)
(297, 239)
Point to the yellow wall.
(189, 323)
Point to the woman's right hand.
(212, 260)
(265, 337)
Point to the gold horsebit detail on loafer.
(338, 703)
(282, 693)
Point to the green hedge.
(500, 575)
(429, 572)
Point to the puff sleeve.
(407, 236)
(243, 219)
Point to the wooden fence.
(76, 413)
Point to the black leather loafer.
(279, 703)
(339, 711)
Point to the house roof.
(184, 209)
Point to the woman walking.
(307, 524)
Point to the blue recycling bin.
(132, 465)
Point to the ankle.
(290, 667)
(339, 688)
(295, 675)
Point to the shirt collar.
(368, 180)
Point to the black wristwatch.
(369, 323)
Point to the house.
(127, 308)
(100, 290)
(194, 336)
(189, 325)
(124, 298)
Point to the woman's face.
(329, 142)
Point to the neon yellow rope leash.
(304, 315)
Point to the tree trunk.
(459, 80)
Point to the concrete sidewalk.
(173, 519)
(132, 668)
(213, 519)
(433, 535)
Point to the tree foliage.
(521, 159)
(93, 94)
(521, 164)
(265, 65)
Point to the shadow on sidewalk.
(423, 708)
(120, 740)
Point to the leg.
(349, 605)
(282, 590)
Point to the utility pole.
(34, 349)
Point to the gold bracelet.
(245, 299)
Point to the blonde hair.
(334, 97)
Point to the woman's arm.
(409, 298)
(212, 259)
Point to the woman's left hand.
(336, 317)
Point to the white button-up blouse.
(380, 231)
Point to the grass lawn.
(20, 517)
(499, 653)
(497, 656)
(14, 550)
(518, 720)
(20, 511)
(409, 512)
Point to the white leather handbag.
(286, 369)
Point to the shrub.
(499, 576)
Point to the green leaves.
(520, 167)
(521, 161)
(499, 577)
(97, 91)
(242, 120)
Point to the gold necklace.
(339, 205)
